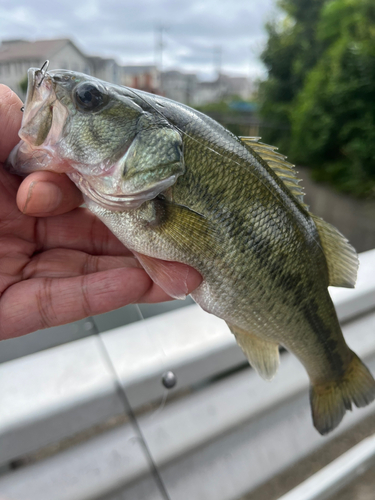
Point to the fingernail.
(42, 197)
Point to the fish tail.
(330, 400)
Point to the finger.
(41, 303)
(189, 279)
(78, 230)
(10, 118)
(82, 230)
(62, 263)
(45, 193)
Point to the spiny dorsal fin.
(342, 259)
(283, 169)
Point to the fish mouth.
(42, 125)
(38, 110)
(44, 115)
(121, 202)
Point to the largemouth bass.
(174, 185)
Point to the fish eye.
(90, 96)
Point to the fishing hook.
(43, 70)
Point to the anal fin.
(262, 355)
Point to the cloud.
(127, 30)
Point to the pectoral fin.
(188, 233)
(262, 354)
(182, 229)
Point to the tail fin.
(329, 401)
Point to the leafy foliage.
(330, 106)
(229, 112)
(23, 84)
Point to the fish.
(175, 186)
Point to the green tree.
(333, 117)
(23, 84)
(321, 62)
(292, 49)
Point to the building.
(145, 78)
(17, 56)
(181, 87)
(239, 86)
(106, 69)
(223, 87)
(210, 91)
(186, 88)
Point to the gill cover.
(154, 159)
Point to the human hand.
(58, 262)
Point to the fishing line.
(141, 317)
(230, 159)
(43, 70)
(129, 411)
(165, 395)
(161, 406)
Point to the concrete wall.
(353, 217)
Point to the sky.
(198, 35)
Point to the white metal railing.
(241, 431)
(338, 474)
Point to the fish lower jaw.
(25, 159)
(120, 202)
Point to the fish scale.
(174, 185)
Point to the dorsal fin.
(283, 169)
(342, 259)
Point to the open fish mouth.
(120, 202)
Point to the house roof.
(24, 50)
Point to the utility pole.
(159, 47)
(218, 59)
(252, 52)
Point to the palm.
(58, 269)
(63, 264)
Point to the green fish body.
(174, 185)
